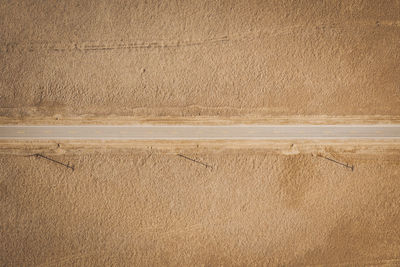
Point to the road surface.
(168, 132)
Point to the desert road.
(181, 132)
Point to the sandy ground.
(129, 61)
(193, 62)
(145, 205)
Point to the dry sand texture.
(139, 203)
(126, 61)
(147, 206)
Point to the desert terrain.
(246, 61)
(203, 202)
(140, 203)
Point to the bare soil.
(123, 61)
(143, 205)
(195, 62)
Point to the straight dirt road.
(165, 132)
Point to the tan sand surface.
(132, 61)
(143, 205)
(185, 203)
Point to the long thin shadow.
(37, 155)
(340, 163)
(196, 161)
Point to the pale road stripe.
(184, 132)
